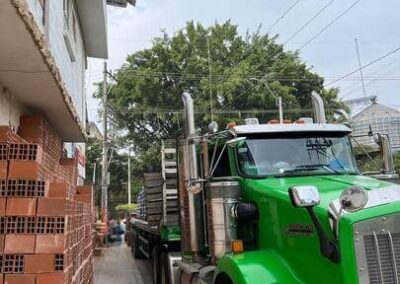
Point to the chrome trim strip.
(393, 257)
(378, 254)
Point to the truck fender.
(262, 266)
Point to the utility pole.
(370, 132)
(104, 170)
(209, 78)
(129, 177)
(361, 71)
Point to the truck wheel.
(156, 258)
(164, 268)
(137, 253)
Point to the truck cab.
(283, 203)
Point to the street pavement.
(117, 266)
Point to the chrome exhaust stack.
(191, 178)
(319, 108)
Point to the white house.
(380, 119)
(44, 46)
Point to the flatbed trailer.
(155, 243)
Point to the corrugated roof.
(376, 110)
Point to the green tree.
(146, 94)
(118, 175)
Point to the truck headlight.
(304, 195)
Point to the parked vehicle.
(280, 203)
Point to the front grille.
(383, 253)
(377, 243)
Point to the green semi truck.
(276, 203)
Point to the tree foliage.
(146, 94)
(118, 186)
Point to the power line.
(200, 76)
(308, 22)
(365, 66)
(330, 24)
(355, 87)
(282, 16)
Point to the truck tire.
(137, 253)
(156, 259)
(164, 268)
(160, 265)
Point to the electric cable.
(283, 16)
(308, 22)
(330, 24)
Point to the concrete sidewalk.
(117, 266)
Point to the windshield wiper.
(314, 167)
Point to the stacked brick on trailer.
(153, 196)
(45, 219)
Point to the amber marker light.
(231, 125)
(237, 246)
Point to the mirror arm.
(329, 249)
(217, 162)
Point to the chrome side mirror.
(213, 127)
(353, 199)
(304, 195)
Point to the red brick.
(25, 170)
(1, 278)
(84, 189)
(39, 263)
(21, 206)
(25, 152)
(3, 169)
(7, 135)
(19, 244)
(71, 162)
(51, 207)
(19, 279)
(51, 278)
(58, 190)
(50, 243)
(86, 198)
(3, 206)
(2, 240)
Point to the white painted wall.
(72, 70)
(10, 109)
(37, 11)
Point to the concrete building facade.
(44, 46)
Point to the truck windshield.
(296, 156)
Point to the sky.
(332, 53)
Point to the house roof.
(376, 110)
(93, 18)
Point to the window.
(66, 9)
(70, 27)
(296, 156)
(74, 27)
(43, 4)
